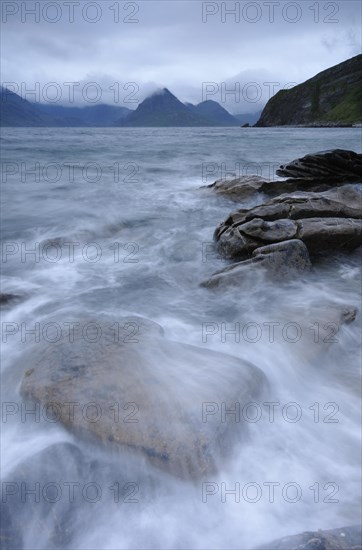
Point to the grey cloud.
(172, 46)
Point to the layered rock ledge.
(286, 233)
(314, 172)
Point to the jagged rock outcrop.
(314, 172)
(326, 222)
(332, 97)
(319, 215)
(334, 166)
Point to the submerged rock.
(344, 538)
(147, 393)
(7, 299)
(20, 513)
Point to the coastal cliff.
(331, 98)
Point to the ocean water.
(113, 221)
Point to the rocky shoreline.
(344, 538)
(315, 213)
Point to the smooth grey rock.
(325, 235)
(284, 259)
(277, 231)
(240, 188)
(232, 275)
(158, 387)
(281, 261)
(344, 538)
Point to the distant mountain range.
(16, 111)
(331, 98)
(92, 115)
(160, 109)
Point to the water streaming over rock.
(120, 228)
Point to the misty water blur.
(134, 194)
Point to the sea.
(119, 222)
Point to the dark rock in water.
(10, 531)
(155, 387)
(344, 538)
(240, 188)
(317, 172)
(7, 298)
(281, 261)
(19, 512)
(326, 222)
(334, 166)
(281, 234)
(324, 235)
(284, 259)
(246, 187)
(274, 231)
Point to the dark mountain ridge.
(331, 98)
(162, 108)
(214, 112)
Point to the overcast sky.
(130, 48)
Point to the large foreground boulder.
(135, 390)
(345, 538)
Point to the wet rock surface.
(345, 538)
(327, 223)
(337, 165)
(285, 259)
(240, 188)
(8, 299)
(154, 386)
(314, 173)
(320, 215)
